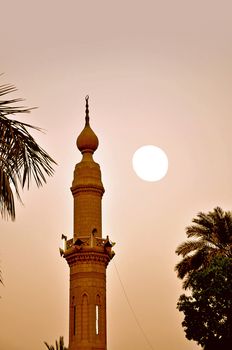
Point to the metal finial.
(87, 110)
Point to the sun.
(150, 163)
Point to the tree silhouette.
(212, 233)
(59, 345)
(21, 158)
(208, 310)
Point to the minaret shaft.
(87, 328)
(87, 190)
(87, 254)
(87, 206)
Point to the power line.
(132, 310)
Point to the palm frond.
(189, 247)
(213, 237)
(5, 109)
(49, 347)
(21, 158)
(59, 345)
(6, 196)
(197, 230)
(183, 267)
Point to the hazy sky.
(157, 73)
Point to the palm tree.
(21, 158)
(212, 233)
(59, 345)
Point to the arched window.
(84, 317)
(98, 314)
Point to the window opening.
(98, 314)
(97, 319)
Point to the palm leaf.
(213, 236)
(189, 247)
(59, 345)
(21, 158)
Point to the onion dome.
(87, 141)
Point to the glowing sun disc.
(150, 163)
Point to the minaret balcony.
(88, 244)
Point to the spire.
(87, 141)
(86, 110)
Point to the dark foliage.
(21, 158)
(59, 345)
(208, 310)
(210, 236)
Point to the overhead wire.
(132, 309)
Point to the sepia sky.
(157, 72)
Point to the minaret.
(87, 254)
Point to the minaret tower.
(87, 253)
